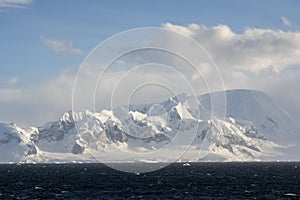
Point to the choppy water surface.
(198, 181)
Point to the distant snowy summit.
(182, 128)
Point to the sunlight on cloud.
(253, 51)
(255, 59)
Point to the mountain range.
(233, 125)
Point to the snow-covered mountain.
(258, 108)
(16, 143)
(180, 128)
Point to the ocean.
(233, 180)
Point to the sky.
(255, 44)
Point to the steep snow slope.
(229, 141)
(258, 108)
(16, 143)
(250, 106)
(253, 129)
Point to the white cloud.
(254, 51)
(14, 3)
(256, 59)
(286, 21)
(61, 46)
(263, 59)
(36, 105)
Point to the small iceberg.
(290, 194)
(186, 164)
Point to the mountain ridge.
(171, 128)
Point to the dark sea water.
(198, 181)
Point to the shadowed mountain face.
(252, 128)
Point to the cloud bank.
(262, 59)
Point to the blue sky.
(87, 23)
(40, 40)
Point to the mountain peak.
(251, 129)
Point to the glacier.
(181, 129)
